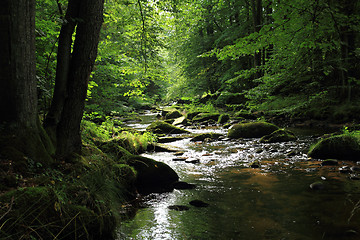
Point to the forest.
(75, 74)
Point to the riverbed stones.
(280, 135)
(203, 136)
(152, 176)
(251, 130)
(193, 161)
(255, 164)
(173, 114)
(341, 147)
(161, 127)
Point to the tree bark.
(84, 53)
(19, 122)
(62, 68)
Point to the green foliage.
(48, 24)
(202, 107)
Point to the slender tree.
(75, 64)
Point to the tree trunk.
(84, 53)
(19, 123)
(257, 15)
(62, 69)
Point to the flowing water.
(274, 201)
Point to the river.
(274, 201)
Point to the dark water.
(270, 202)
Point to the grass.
(80, 198)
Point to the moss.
(223, 118)
(27, 144)
(113, 147)
(202, 117)
(191, 115)
(341, 147)
(203, 136)
(280, 135)
(251, 130)
(160, 127)
(173, 114)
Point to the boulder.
(223, 118)
(280, 135)
(251, 130)
(173, 114)
(203, 136)
(340, 147)
(202, 117)
(161, 127)
(180, 121)
(153, 176)
(191, 115)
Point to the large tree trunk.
(90, 15)
(19, 123)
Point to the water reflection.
(270, 202)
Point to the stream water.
(274, 201)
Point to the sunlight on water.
(273, 201)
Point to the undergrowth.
(79, 198)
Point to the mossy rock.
(114, 148)
(161, 127)
(202, 117)
(223, 118)
(180, 121)
(280, 135)
(173, 114)
(191, 115)
(203, 136)
(245, 115)
(125, 176)
(230, 98)
(153, 176)
(251, 130)
(341, 147)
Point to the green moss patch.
(341, 147)
(280, 135)
(160, 127)
(251, 130)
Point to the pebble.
(317, 186)
(193, 161)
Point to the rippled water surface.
(270, 202)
